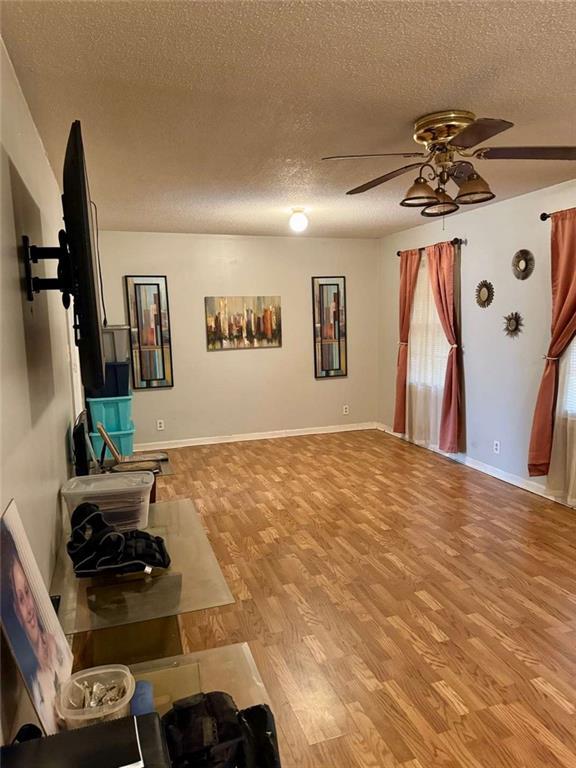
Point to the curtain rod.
(544, 216)
(455, 241)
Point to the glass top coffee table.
(230, 668)
(193, 582)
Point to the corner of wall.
(502, 375)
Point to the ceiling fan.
(449, 138)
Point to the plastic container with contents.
(123, 498)
(84, 697)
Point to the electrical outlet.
(345, 410)
(496, 446)
(159, 424)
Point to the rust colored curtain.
(409, 263)
(563, 247)
(441, 259)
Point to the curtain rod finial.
(544, 216)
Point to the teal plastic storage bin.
(122, 439)
(114, 413)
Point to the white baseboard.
(461, 458)
(240, 438)
(508, 477)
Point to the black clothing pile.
(96, 548)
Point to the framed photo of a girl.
(29, 621)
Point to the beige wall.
(240, 392)
(35, 377)
(502, 375)
(249, 391)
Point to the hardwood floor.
(403, 610)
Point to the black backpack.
(95, 547)
(208, 731)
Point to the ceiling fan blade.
(480, 130)
(526, 153)
(382, 179)
(383, 154)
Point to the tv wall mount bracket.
(64, 282)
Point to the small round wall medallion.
(513, 324)
(484, 294)
(523, 264)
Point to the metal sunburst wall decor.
(513, 324)
(484, 294)
(523, 264)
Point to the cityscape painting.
(329, 306)
(243, 322)
(149, 318)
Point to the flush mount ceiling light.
(298, 220)
(449, 138)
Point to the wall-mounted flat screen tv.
(80, 235)
(78, 266)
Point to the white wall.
(502, 375)
(248, 391)
(35, 378)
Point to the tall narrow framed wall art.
(329, 306)
(149, 318)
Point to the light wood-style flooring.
(403, 610)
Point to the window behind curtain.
(427, 358)
(570, 384)
(561, 480)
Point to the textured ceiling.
(213, 116)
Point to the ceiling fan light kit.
(419, 194)
(449, 138)
(474, 190)
(443, 206)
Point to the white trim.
(508, 477)
(461, 458)
(190, 441)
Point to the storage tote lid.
(109, 483)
